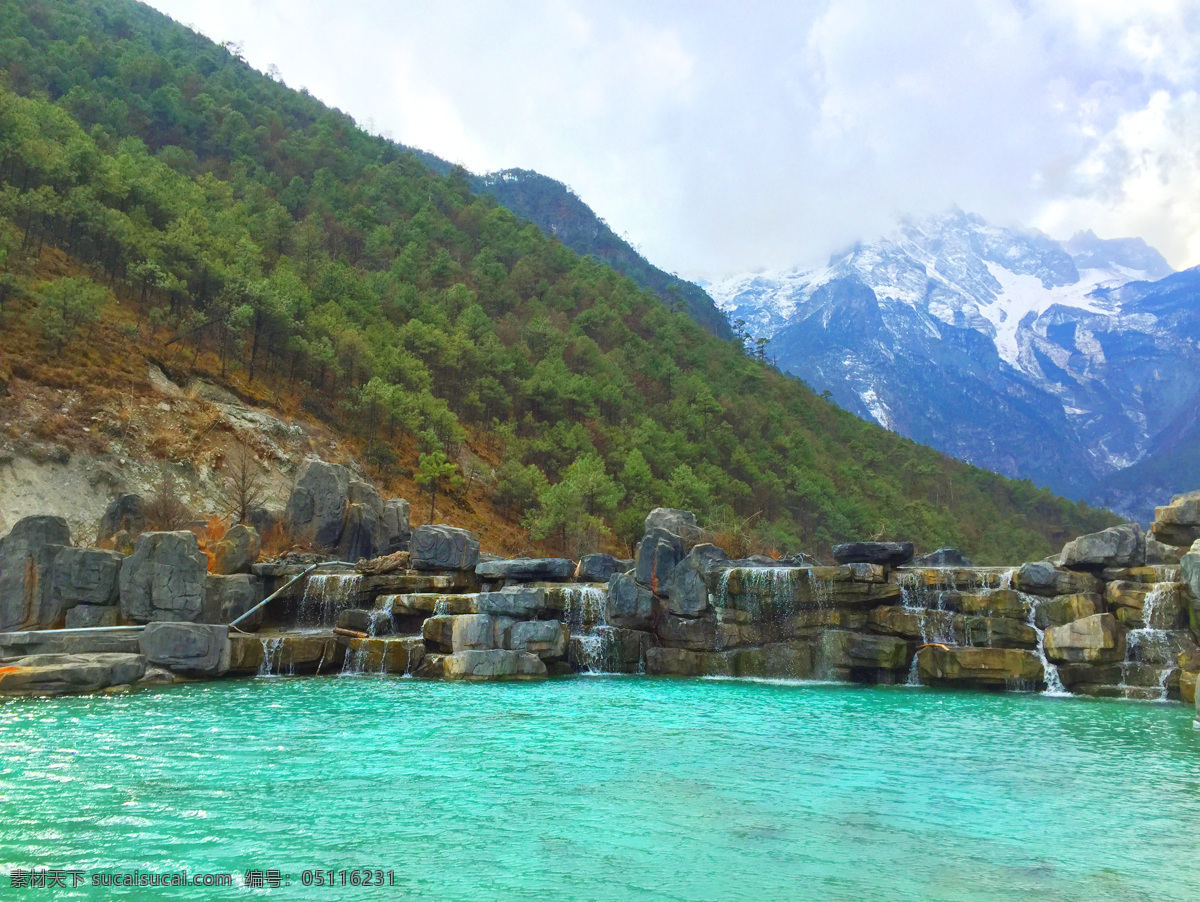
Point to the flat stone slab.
(284, 653)
(50, 674)
(888, 554)
(427, 604)
(70, 642)
(527, 569)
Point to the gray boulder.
(545, 638)
(943, 557)
(1178, 523)
(1098, 639)
(687, 591)
(317, 505)
(164, 579)
(237, 551)
(360, 492)
(125, 513)
(364, 535)
(557, 570)
(676, 522)
(1189, 567)
(226, 598)
(522, 602)
(52, 674)
(480, 632)
(1117, 546)
(657, 555)
(493, 664)
(396, 514)
(87, 576)
(27, 556)
(444, 548)
(193, 649)
(597, 568)
(628, 605)
(84, 616)
(888, 554)
(1160, 553)
(1046, 579)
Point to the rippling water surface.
(608, 789)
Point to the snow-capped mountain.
(1035, 358)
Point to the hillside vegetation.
(247, 223)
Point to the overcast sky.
(723, 137)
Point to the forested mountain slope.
(559, 212)
(253, 225)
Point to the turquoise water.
(607, 789)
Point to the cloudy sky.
(726, 137)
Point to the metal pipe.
(286, 586)
(75, 629)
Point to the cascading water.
(272, 656)
(583, 613)
(1150, 646)
(355, 662)
(1054, 683)
(324, 595)
(927, 602)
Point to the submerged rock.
(444, 548)
(888, 554)
(27, 555)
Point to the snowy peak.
(1057, 361)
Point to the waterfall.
(1150, 645)
(583, 613)
(355, 661)
(324, 595)
(1054, 683)
(272, 656)
(928, 604)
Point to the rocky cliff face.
(1065, 363)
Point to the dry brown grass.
(102, 378)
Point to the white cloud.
(725, 137)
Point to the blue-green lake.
(607, 789)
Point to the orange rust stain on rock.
(4, 670)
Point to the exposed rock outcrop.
(1117, 546)
(317, 505)
(27, 556)
(444, 548)
(237, 550)
(192, 649)
(887, 554)
(164, 579)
